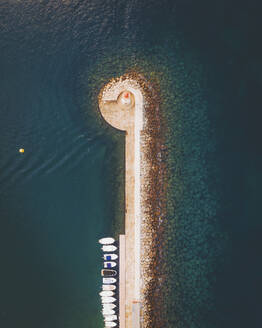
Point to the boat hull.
(109, 248)
(110, 324)
(107, 293)
(108, 312)
(109, 306)
(109, 264)
(111, 318)
(108, 287)
(108, 273)
(106, 300)
(106, 241)
(110, 257)
(109, 281)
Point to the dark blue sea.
(58, 197)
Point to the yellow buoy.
(21, 150)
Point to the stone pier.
(121, 105)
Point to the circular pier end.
(118, 103)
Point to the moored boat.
(110, 324)
(109, 248)
(109, 264)
(106, 241)
(106, 293)
(108, 306)
(108, 287)
(110, 257)
(108, 300)
(109, 281)
(108, 273)
(108, 312)
(111, 317)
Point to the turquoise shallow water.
(56, 200)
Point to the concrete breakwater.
(130, 104)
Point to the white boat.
(111, 317)
(109, 281)
(108, 287)
(110, 324)
(110, 257)
(108, 312)
(108, 299)
(109, 248)
(109, 306)
(107, 293)
(109, 264)
(106, 241)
